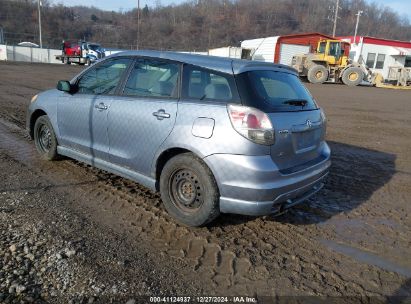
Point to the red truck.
(71, 49)
(80, 52)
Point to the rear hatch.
(298, 123)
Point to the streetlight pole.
(38, 7)
(138, 23)
(336, 17)
(1, 36)
(356, 25)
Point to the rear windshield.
(272, 91)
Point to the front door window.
(153, 78)
(335, 49)
(104, 78)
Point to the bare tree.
(196, 24)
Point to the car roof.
(221, 64)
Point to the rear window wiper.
(296, 102)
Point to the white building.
(380, 54)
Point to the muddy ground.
(94, 237)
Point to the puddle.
(367, 257)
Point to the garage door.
(287, 51)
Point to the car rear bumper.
(253, 185)
(279, 204)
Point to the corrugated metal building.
(281, 49)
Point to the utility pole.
(39, 6)
(138, 23)
(336, 16)
(356, 25)
(1, 36)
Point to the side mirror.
(64, 85)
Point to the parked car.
(213, 135)
(28, 44)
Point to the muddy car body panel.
(270, 158)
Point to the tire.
(88, 62)
(317, 74)
(352, 76)
(189, 190)
(45, 138)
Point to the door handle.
(161, 114)
(101, 106)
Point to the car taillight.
(251, 123)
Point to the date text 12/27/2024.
(237, 299)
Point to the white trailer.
(231, 52)
(281, 49)
(262, 48)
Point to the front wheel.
(45, 138)
(189, 190)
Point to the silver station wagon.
(213, 135)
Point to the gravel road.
(70, 233)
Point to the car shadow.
(355, 174)
(401, 295)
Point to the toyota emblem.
(309, 124)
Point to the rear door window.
(202, 84)
(273, 91)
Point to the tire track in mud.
(258, 257)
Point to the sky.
(403, 7)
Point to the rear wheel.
(189, 190)
(317, 74)
(352, 76)
(45, 138)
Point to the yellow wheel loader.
(330, 63)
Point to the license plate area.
(306, 140)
